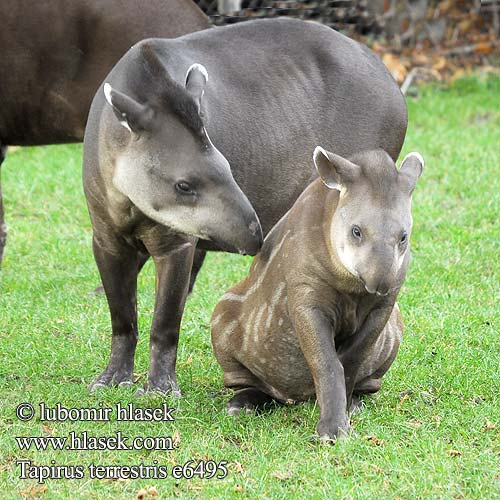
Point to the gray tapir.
(317, 313)
(54, 55)
(176, 119)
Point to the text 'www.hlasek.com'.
(116, 441)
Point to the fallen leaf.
(152, 491)
(483, 48)
(427, 397)
(176, 439)
(488, 426)
(437, 418)
(47, 429)
(238, 467)
(373, 440)
(397, 69)
(147, 493)
(439, 63)
(238, 487)
(33, 491)
(454, 453)
(421, 59)
(282, 476)
(404, 396)
(142, 494)
(414, 424)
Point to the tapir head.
(168, 166)
(371, 226)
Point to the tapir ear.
(196, 81)
(334, 170)
(132, 115)
(411, 169)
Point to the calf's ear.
(334, 170)
(410, 170)
(132, 115)
(196, 81)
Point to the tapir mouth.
(379, 293)
(228, 247)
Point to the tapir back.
(277, 89)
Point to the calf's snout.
(378, 273)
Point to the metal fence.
(405, 21)
(335, 13)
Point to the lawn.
(433, 431)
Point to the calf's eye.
(356, 232)
(184, 187)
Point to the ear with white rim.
(334, 170)
(196, 81)
(410, 170)
(132, 115)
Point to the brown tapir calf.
(317, 313)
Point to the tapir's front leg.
(118, 267)
(315, 334)
(354, 354)
(172, 274)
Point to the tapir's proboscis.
(54, 55)
(173, 123)
(317, 313)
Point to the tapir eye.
(404, 239)
(184, 187)
(356, 232)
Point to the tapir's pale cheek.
(401, 257)
(347, 258)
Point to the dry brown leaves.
(466, 41)
(33, 491)
(148, 493)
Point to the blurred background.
(431, 40)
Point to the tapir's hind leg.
(225, 325)
(3, 229)
(248, 399)
(247, 396)
(199, 257)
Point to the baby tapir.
(317, 314)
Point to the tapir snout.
(234, 226)
(379, 273)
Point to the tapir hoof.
(331, 432)
(119, 378)
(356, 405)
(160, 389)
(247, 400)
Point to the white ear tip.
(198, 67)
(319, 150)
(107, 92)
(418, 156)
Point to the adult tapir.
(54, 55)
(172, 124)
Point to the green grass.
(422, 436)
